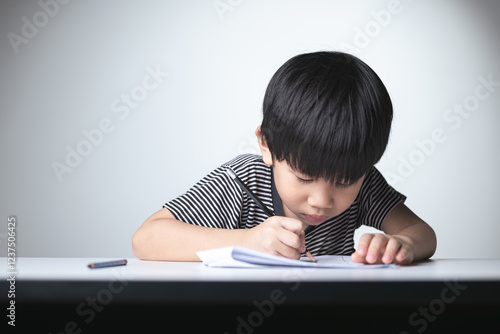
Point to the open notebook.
(241, 257)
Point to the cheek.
(290, 194)
(347, 198)
(344, 202)
(293, 199)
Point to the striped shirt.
(218, 202)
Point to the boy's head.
(327, 115)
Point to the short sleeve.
(377, 199)
(214, 201)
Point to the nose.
(321, 198)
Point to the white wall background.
(74, 65)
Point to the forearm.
(171, 240)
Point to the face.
(312, 201)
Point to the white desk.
(455, 293)
(75, 269)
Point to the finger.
(377, 246)
(292, 240)
(287, 251)
(355, 257)
(404, 256)
(303, 242)
(291, 224)
(292, 233)
(363, 244)
(391, 249)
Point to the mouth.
(315, 218)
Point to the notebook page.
(236, 257)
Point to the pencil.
(107, 264)
(261, 205)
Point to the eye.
(304, 180)
(343, 185)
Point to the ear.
(266, 154)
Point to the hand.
(278, 236)
(383, 248)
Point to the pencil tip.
(310, 257)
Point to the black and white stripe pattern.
(217, 201)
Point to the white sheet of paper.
(241, 257)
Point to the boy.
(326, 123)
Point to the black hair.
(327, 114)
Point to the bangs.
(327, 115)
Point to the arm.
(162, 237)
(408, 238)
